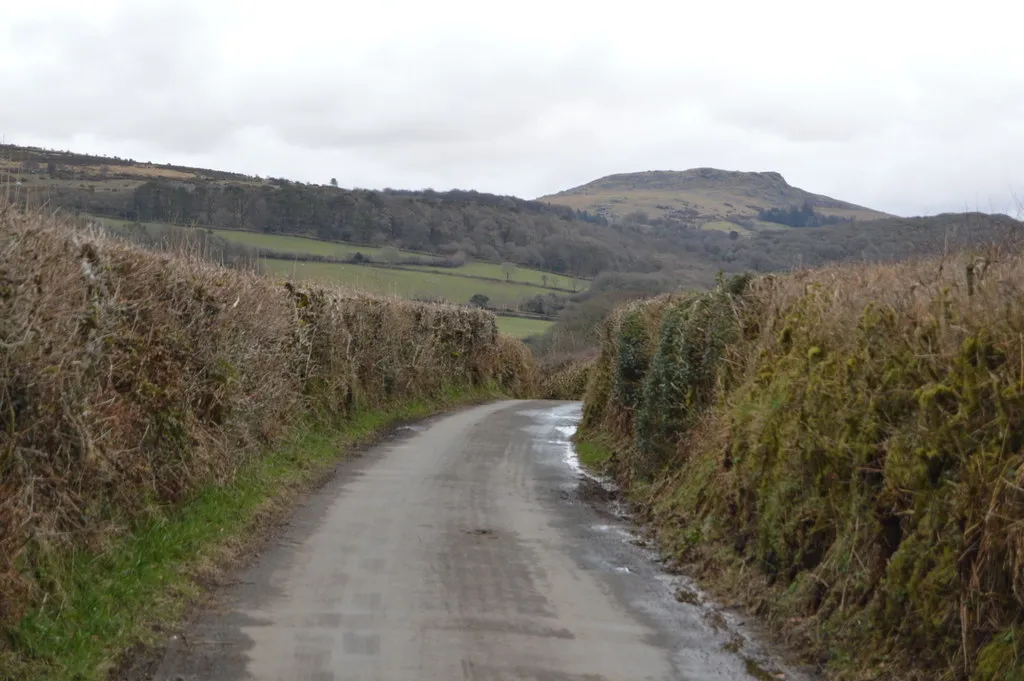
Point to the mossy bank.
(839, 450)
(152, 405)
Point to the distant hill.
(701, 198)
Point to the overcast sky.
(905, 106)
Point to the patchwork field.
(299, 245)
(281, 243)
(404, 283)
(421, 282)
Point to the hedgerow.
(842, 450)
(129, 380)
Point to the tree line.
(799, 216)
(456, 224)
(481, 226)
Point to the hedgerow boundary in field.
(137, 385)
(841, 451)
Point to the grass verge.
(593, 455)
(142, 584)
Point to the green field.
(456, 285)
(520, 327)
(297, 244)
(282, 243)
(404, 283)
(272, 242)
(523, 275)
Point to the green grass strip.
(593, 455)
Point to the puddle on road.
(671, 598)
(616, 530)
(567, 431)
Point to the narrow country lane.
(464, 548)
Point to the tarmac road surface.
(469, 547)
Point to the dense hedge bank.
(841, 450)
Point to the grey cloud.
(515, 104)
(143, 74)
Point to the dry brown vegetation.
(104, 171)
(566, 378)
(130, 379)
(843, 451)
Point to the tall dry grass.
(842, 449)
(129, 379)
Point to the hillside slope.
(871, 241)
(491, 228)
(477, 225)
(699, 197)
